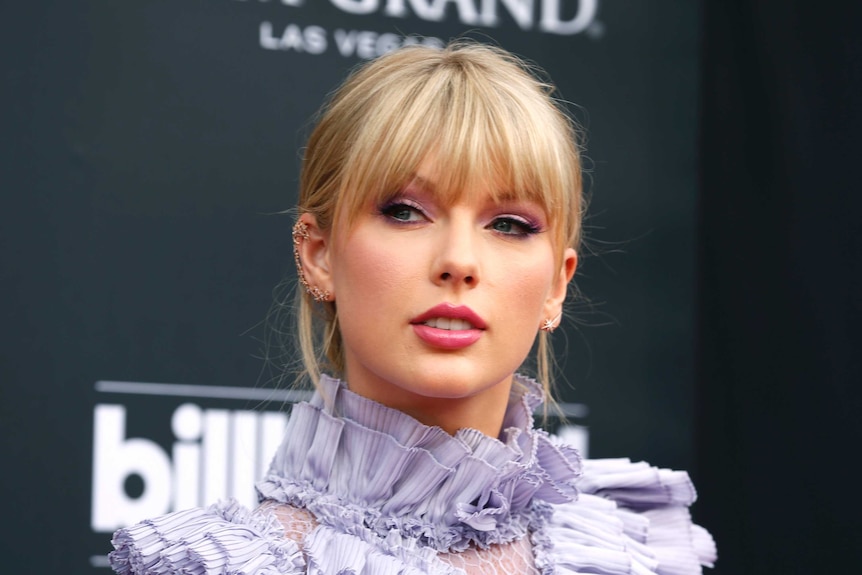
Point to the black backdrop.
(780, 285)
(147, 145)
(144, 145)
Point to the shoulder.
(223, 538)
(630, 516)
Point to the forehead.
(432, 179)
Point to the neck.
(483, 414)
(483, 411)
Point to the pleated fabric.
(390, 495)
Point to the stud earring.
(549, 325)
(300, 232)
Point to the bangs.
(477, 126)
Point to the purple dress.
(359, 488)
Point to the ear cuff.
(300, 232)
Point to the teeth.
(447, 323)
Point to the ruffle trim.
(224, 539)
(354, 462)
(361, 552)
(630, 518)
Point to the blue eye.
(399, 212)
(402, 211)
(513, 226)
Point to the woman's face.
(441, 303)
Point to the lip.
(449, 339)
(451, 311)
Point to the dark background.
(780, 285)
(146, 145)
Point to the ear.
(557, 295)
(313, 254)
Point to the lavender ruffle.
(630, 518)
(361, 552)
(389, 493)
(224, 538)
(354, 462)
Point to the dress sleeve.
(223, 538)
(630, 518)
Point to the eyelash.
(524, 226)
(527, 228)
(388, 209)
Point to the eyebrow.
(425, 183)
(429, 186)
(509, 196)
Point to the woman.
(439, 215)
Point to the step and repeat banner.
(153, 145)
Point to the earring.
(300, 232)
(549, 325)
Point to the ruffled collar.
(357, 464)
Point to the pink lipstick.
(449, 326)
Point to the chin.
(456, 383)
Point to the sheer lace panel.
(509, 559)
(297, 522)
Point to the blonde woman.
(439, 219)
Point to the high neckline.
(351, 460)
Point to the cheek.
(365, 270)
(529, 285)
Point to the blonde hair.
(479, 111)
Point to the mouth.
(449, 327)
(450, 317)
(449, 324)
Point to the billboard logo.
(214, 453)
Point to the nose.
(457, 261)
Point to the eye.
(514, 226)
(402, 210)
